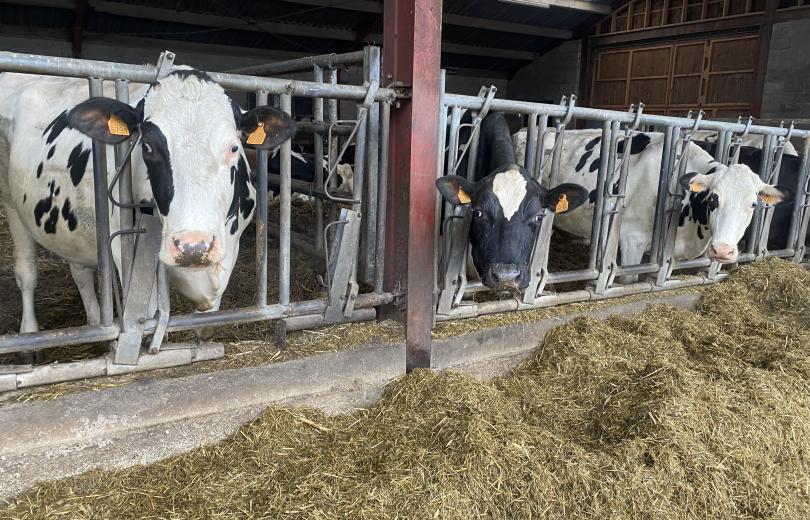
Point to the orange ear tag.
(463, 197)
(116, 126)
(562, 204)
(694, 187)
(257, 136)
(770, 200)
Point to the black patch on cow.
(77, 163)
(44, 205)
(640, 142)
(712, 170)
(237, 112)
(594, 165)
(241, 202)
(39, 170)
(139, 108)
(583, 160)
(593, 142)
(58, 190)
(51, 151)
(158, 166)
(68, 215)
(56, 127)
(50, 224)
(146, 207)
(699, 208)
(25, 197)
(184, 74)
(592, 196)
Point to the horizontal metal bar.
(304, 188)
(66, 337)
(596, 114)
(573, 276)
(781, 253)
(691, 264)
(302, 64)
(71, 67)
(323, 128)
(314, 321)
(637, 269)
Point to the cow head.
(507, 209)
(191, 146)
(725, 201)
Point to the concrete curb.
(84, 416)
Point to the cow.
(190, 166)
(748, 140)
(507, 207)
(789, 173)
(716, 209)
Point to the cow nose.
(505, 275)
(193, 249)
(723, 252)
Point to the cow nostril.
(176, 242)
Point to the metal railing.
(603, 266)
(140, 270)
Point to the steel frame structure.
(603, 265)
(140, 270)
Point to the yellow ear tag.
(257, 136)
(695, 187)
(463, 197)
(116, 126)
(562, 204)
(770, 200)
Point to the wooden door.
(715, 74)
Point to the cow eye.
(146, 148)
(477, 213)
(234, 148)
(713, 201)
(538, 218)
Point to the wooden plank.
(730, 23)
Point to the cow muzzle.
(192, 249)
(505, 277)
(723, 253)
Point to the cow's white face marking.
(510, 189)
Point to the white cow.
(717, 209)
(190, 164)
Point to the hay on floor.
(669, 414)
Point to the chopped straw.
(668, 414)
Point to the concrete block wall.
(552, 75)
(787, 81)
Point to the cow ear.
(694, 182)
(107, 120)
(565, 198)
(456, 190)
(266, 127)
(773, 196)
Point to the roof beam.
(509, 27)
(489, 52)
(576, 5)
(367, 6)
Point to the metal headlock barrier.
(354, 255)
(603, 269)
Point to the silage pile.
(668, 414)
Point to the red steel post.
(411, 55)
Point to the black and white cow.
(190, 164)
(789, 171)
(717, 208)
(507, 207)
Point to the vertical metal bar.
(284, 213)
(771, 176)
(382, 197)
(531, 144)
(472, 152)
(596, 226)
(261, 216)
(102, 219)
(333, 144)
(126, 215)
(609, 188)
(757, 220)
(410, 25)
(559, 142)
(452, 154)
(372, 166)
(441, 142)
(798, 224)
(660, 201)
(317, 114)
(540, 152)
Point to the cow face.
(725, 201)
(191, 143)
(507, 209)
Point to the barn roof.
(486, 36)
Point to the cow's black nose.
(505, 275)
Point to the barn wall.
(554, 74)
(787, 82)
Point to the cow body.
(704, 223)
(749, 140)
(189, 165)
